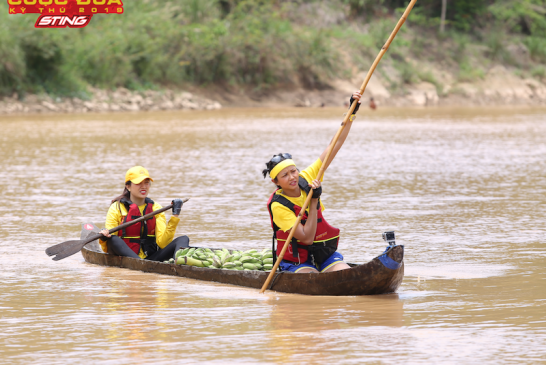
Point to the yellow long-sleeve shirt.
(164, 233)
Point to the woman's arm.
(113, 219)
(306, 233)
(342, 137)
(164, 232)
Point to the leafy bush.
(469, 73)
(180, 41)
(257, 43)
(536, 47)
(539, 72)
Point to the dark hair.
(270, 165)
(125, 195)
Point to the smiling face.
(140, 191)
(287, 179)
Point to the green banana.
(185, 260)
(182, 252)
(249, 266)
(225, 256)
(216, 262)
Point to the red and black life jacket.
(326, 237)
(140, 234)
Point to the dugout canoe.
(381, 275)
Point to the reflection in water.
(464, 189)
(295, 321)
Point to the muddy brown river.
(464, 189)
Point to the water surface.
(463, 188)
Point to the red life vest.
(140, 234)
(326, 237)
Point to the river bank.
(205, 55)
(499, 86)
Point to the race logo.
(64, 13)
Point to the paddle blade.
(60, 247)
(70, 249)
(88, 228)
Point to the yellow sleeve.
(164, 233)
(283, 217)
(311, 172)
(113, 219)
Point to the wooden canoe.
(381, 275)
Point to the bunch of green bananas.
(225, 259)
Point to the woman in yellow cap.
(151, 239)
(315, 242)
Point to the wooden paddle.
(64, 249)
(334, 141)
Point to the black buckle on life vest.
(148, 246)
(273, 250)
(294, 244)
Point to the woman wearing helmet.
(314, 246)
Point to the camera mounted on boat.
(389, 238)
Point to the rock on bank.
(108, 101)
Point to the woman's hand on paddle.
(105, 233)
(306, 233)
(317, 189)
(177, 206)
(356, 96)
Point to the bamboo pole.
(336, 137)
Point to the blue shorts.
(334, 258)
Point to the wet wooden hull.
(382, 275)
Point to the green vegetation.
(264, 43)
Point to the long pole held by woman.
(334, 141)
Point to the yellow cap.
(137, 174)
(280, 166)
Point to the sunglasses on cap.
(280, 157)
